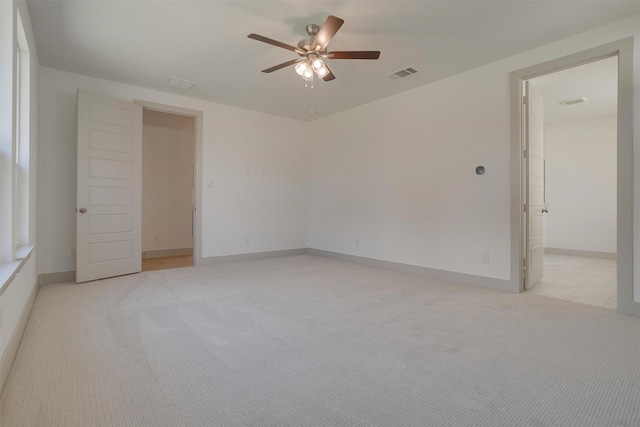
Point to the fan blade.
(354, 54)
(329, 76)
(275, 43)
(283, 65)
(328, 30)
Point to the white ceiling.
(596, 81)
(145, 42)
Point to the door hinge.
(524, 153)
(524, 263)
(525, 208)
(524, 99)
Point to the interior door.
(109, 211)
(535, 185)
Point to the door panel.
(106, 111)
(110, 196)
(109, 251)
(535, 185)
(100, 224)
(109, 187)
(110, 141)
(107, 168)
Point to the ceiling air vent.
(402, 73)
(180, 83)
(574, 101)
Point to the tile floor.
(585, 280)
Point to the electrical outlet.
(247, 240)
(357, 242)
(485, 258)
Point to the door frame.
(197, 161)
(623, 49)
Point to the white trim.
(59, 277)
(8, 270)
(450, 276)
(70, 276)
(580, 253)
(251, 256)
(197, 179)
(161, 253)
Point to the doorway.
(577, 218)
(521, 259)
(168, 165)
(109, 176)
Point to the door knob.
(545, 210)
(82, 210)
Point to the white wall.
(168, 142)
(398, 174)
(581, 191)
(255, 164)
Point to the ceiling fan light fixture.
(308, 74)
(318, 64)
(301, 67)
(312, 51)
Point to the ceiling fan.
(313, 51)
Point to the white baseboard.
(167, 252)
(14, 342)
(251, 256)
(70, 276)
(59, 277)
(463, 278)
(584, 254)
(450, 276)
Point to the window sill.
(8, 270)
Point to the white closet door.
(535, 183)
(109, 211)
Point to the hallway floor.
(165, 263)
(578, 279)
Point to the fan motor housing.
(306, 43)
(312, 29)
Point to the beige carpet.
(308, 341)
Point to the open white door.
(109, 212)
(535, 185)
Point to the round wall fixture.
(480, 170)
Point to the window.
(15, 82)
(6, 131)
(22, 126)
